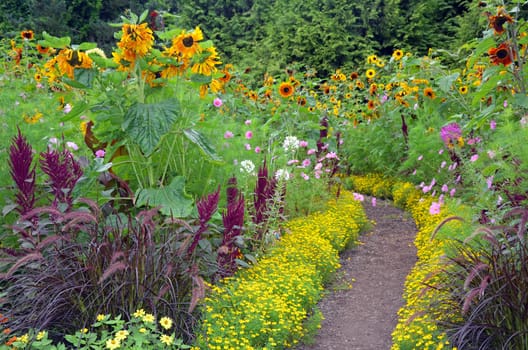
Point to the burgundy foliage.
(22, 172)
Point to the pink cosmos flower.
(452, 192)
(420, 157)
(311, 151)
(247, 146)
(72, 145)
(249, 135)
(305, 177)
(248, 122)
(358, 197)
(440, 151)
(306, 162)
(445, 188)
(228, 134)
(257, 149)
(489, 182)
(67, 108)
(217, 102)
(443, 164)
(493, 124)
(100, 153)
(474, 158)
(373, 201)
(303, 143)
(434, 208)
(331, 155)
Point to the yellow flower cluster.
(377, 185)
(264, 307)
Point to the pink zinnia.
(100, 153)
(218, 102)
(249, 135)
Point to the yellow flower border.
(265, 306)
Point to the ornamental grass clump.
(265, 306)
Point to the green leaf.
(446, 83)
(85, 76)
(146, 123)
(143, 16)
(203, 144)
(103, 62)
(172, 199)
(86, 46)
(202, 79)
(520, 100)
(53, 41)
(482, 47)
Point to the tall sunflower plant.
(141, 107)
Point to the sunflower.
(286, 89)
(373, 88)
(206, 62)
(137, 40)
(227, 75)
(463, 90)
(360, 85)
(503, 54)
(187, 44)
(497, 22)
(354, 75)
(371, 105)
(397, 55)
(429, 92)
(27, 34)
(43, 50)
(372, 59)
(301, 101)
(33, 119)
(371, 73)
(69, 59)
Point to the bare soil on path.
(364, 316)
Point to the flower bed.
(264, 307)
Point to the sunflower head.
(27, 34)
(397, 55)
(370, 73)
(503, 54)
(354, 75)
(187, 43)
(286, 89)
(463, 90)
(498, 21)
(429, 92)
(136, 40)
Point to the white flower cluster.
(291, 144)
(247, 166)
(282, 175)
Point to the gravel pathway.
(364, 316)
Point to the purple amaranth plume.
(64, 172)
(206, 208)
(20, 159)
(232, 190)
(264, 190)
(233, 220)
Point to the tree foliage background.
(268, 35)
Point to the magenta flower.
(450, 133)
(217, 102)
(373, 201)
(305, 177)
(100, 153)
(358, 197)
(303, 143)
(445, 188)
(493, 124)
(311, 151)
(306, 162)
(228, 134)
(474, 158)
(257, 149)
(248, 122)
(434, 208)
(249, 135)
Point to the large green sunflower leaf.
(203, 144)
(172, 199)
(146, 123)
(53, 41)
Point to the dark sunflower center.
(286, 89)
(188, 41)
(501, 53)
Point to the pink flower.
(100, 153)
(248, 122)
(373, 201)
(305, 177)
(331, 155)
(228, 134)
(452, 192)
(443, 164)
(491, 154)
(505, 104)
(247, 146)
(72, 145)
(420, 157)
(249, 135)
(489, 182)
(414, 172)
(318, 166)
(358, 197)
(306, 162)
(257, 149)
(311, 151)
(440, 151)
(303, 143)
(292, 161)
(434, 208)
(67, 108)
(474, 158)
(218, 102)
(39, 86)
(445, 188)
(493, 124)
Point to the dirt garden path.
(364, 316)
